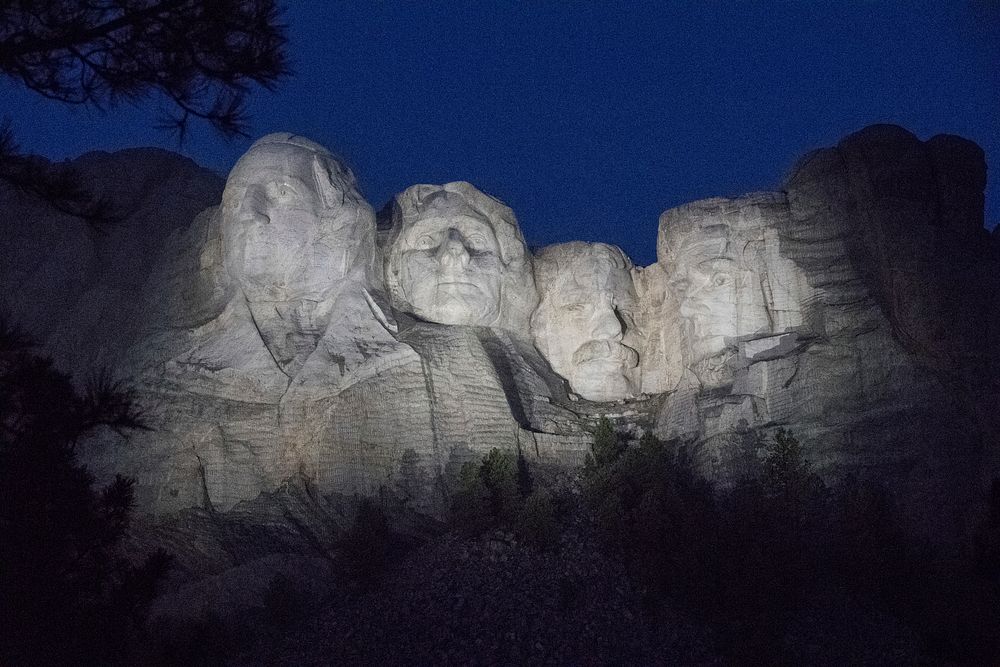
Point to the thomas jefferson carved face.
(587, 298)
(457, 257)
(294, 225)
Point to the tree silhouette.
(67, 593)
(202, 57)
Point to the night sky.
(590, 119)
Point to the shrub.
(536, 522)
(66, 590)
(489, 492)
(607, 446)
(368, 542)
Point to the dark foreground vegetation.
(68, 593)
(632, 559)
(636, 560)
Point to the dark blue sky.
(590, 119)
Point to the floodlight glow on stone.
(294, 225)
(458, 257)
(584, 316)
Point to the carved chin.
(454, 310)
(601, 380)
(456, 303)
(706, 347)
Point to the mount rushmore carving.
(288, 333)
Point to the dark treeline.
(781, 558)
(633, 558)
(779, 568)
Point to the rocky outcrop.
(282, 337)
(838, 309)
(74, 286)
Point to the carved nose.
(692, 305)
(250, 213)
(605, 323)
(452, 252)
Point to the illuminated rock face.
(298, 241)
(272, 352)
(456, 256)
(730, 284)
(586, 317)
(281, 336)
(294, 225)
(834, 309)
(259, 317)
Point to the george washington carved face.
(294, 225)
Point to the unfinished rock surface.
(73, 285)
(289, 353)
(817, 309)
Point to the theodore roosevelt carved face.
(456, 256)
(584, 318)
(294, 225)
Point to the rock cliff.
(290, 352)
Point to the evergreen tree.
(67, 593)
(607, 445)
(200, 57)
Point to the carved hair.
(737, 225)
(558, 262)
(328, 170)
(517, 292)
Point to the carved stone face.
(717, 299)
(451, 270)
(294, 225)
(456, 259)
(714, 255)
(587, 298)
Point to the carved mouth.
(606, 351)
(457, 283)
(459, 287)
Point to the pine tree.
(199, 57)
(67, 593)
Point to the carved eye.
(281, 191)
(425, 242)
(720, 279)
(576, 307)
(255, 198)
